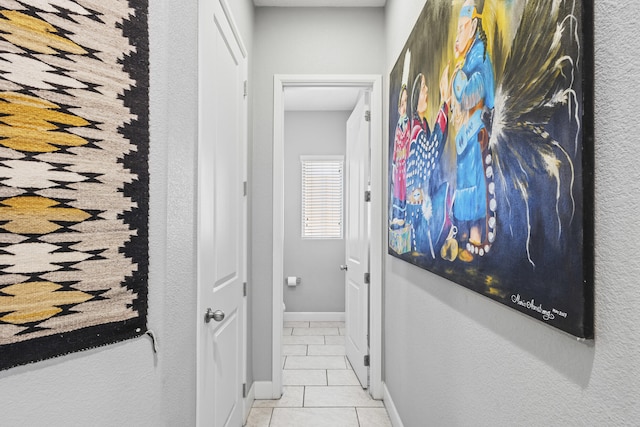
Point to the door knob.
(217, 315)
(344, 267)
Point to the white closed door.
(357, 239)
(221, 220)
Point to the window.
(322, 197)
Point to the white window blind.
(322, 197)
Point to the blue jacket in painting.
(473, 87)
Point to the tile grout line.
(304, 394)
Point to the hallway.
(320, 388)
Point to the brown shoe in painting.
(465, 256)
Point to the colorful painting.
(74, 143)
(491, 153)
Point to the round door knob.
(217, 315)
(344, 267)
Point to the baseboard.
(248, 402)
(304, 316)
(394, 416)
(263, 390)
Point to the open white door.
(221, 224)
(357, 238)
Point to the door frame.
(374, 83)
(244, 126)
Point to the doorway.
(373, 84)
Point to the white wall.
(315, 261)
(295, 41)
(174, 134)
(125, 384)
(456, 358)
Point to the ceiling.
(321, 3)
(320, 98)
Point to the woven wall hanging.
(73, 176)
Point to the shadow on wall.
(565, 354)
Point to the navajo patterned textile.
(73, 175)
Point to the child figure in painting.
(398, 227)
(419, 204)
(425, 200)
(400, 152)
(472, 101)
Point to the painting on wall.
(491, 153)
(74, 143)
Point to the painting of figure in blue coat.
(490, 153)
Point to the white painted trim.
(278, 236)
(320, 157)
(394, 416)
(306, 316)
(234, 27)
(248, 402)
(377, 244)
(374, 82)
(263, 390)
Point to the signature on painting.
(531, 305)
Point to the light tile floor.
(320, 388)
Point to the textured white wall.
(175, 101)
(456, 358)
(315, 261)
(295, 41)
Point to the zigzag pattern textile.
(74, 143)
